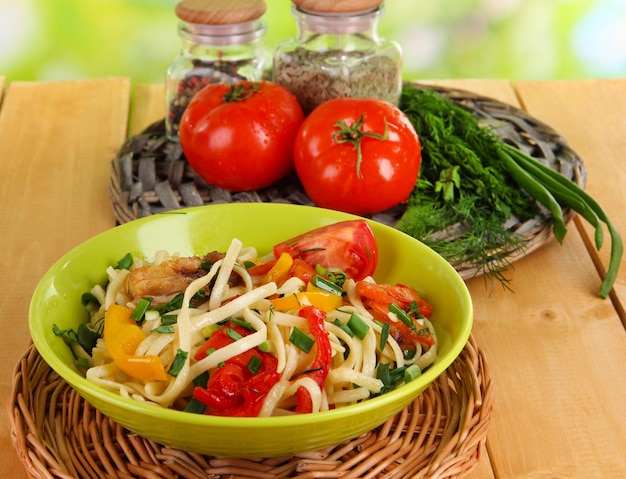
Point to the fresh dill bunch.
(464, 196)
(452, 137)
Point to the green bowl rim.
(412, 389)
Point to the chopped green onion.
(87, 298)
(338, 277)
(265, 346)
(384, 335)
(210, 351)
(301, 340)
(411, 373)
(243, 323)
(319, 269)
(343, 326)
(206, 265)
(82, 363)
(234, 335)
(358, 326)
(382, 373)
(125, 262)
(408, 353)
(201, 380)
(169, 319)
(254, 364)
(207, 331)
(164, 329)
(402, 316)
(179, 361)
(325, 285)
(142, 306)
(195, 407)
(249, 264)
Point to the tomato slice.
(347, 245)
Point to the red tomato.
(240, 136)
(359, 155)
(347, 245)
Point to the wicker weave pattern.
(440, 435)
(151, 175)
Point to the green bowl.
(57, 300)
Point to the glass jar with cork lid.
(222, 43)
(338, 53)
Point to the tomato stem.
(354, 134)
(241, 91)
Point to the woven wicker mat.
(441, 434)
(150, 174)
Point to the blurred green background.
(514, 39)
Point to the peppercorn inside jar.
(222, 43)
(338, 53)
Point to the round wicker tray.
(441, 434)
(150, 174)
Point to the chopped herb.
(195, 407)
(206, 265)
(164, 329)
(301, 340)
(408, 353)
(358, 326)
(401, 315)
(243, 323)
(207, 331)
(234, 335)
(254, 365)
(167, 319)
(411, 373)
(140, 310)
(201, 380)
(389, 377)
(343, 326)
(265, 346)
(84, 336)
(384, 335)
(82, 363)
(87, 298)
(179, 361)
(249, 264)
(326, 285)
(125, 261)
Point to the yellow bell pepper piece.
(327, 302)
(280, 271)
(122, 335)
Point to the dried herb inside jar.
(317, 76)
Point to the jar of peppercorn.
(222, 43)
(338, 53)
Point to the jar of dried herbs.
(222, 43)
(338, 53)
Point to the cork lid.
(220, 12)
(337, 6)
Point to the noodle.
(226, 298)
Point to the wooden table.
(556, 351)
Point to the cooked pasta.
(258, 341)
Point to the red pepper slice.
(234, 390)
(321, 364)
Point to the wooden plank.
(551, 346)
(148, 106)
(56, 142)
(592, 118)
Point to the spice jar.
(222, 43)
(338, 53)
